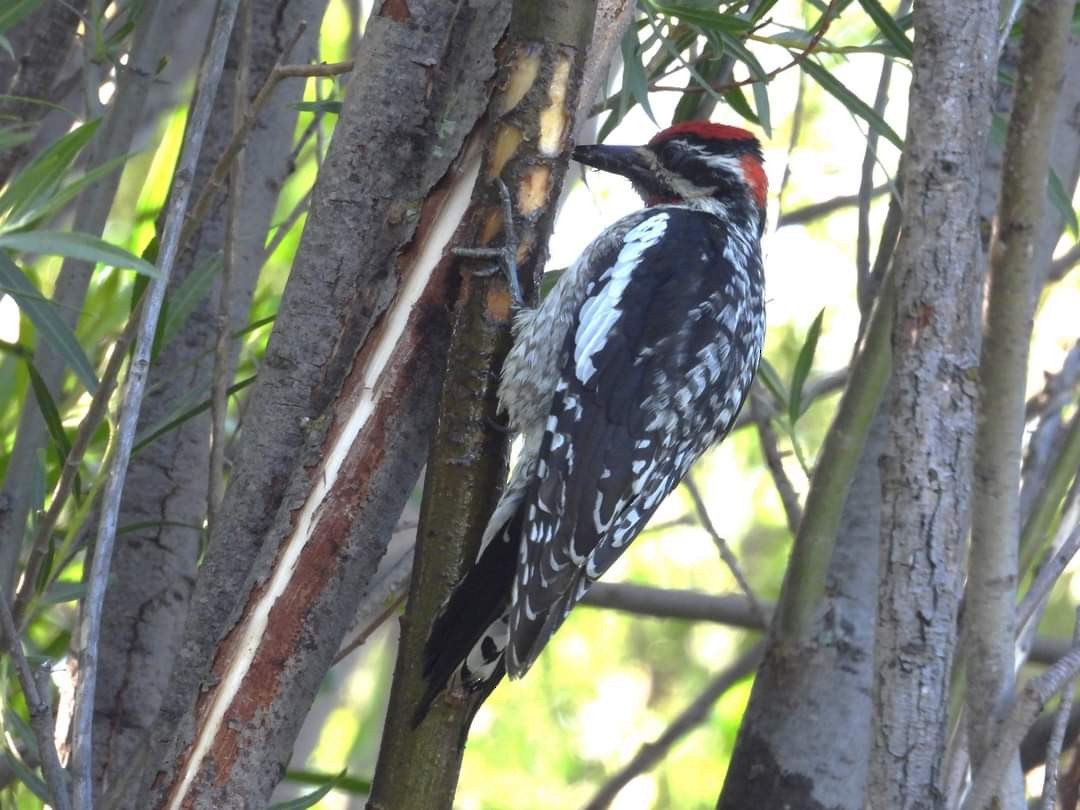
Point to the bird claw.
(506, 256)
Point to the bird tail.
(466, 630)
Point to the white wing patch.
(601, 311)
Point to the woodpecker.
(637, 362)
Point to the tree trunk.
(341, 414)
(926, 483)
(154, 566)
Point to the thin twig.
(39, 545)
(1059, 388)
(323, 70)
(770, 448)
(384, 597)
(216, 182)
(677, 603)
(815, 211)
(864, 287)
(823, 25)
(725, 552)
(219, 384)
(1027, 706)
(1060, 266)
(814, 390)
(1052, 570)
(286, 225)
(686, 721)
(97, 580)
(798, 116)
(1057, 736)
(40, 713)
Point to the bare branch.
(1027, 706)
(770, 449)
(1052, 569)
(381, 601)
(815, 211)
(1061, 266)
(90, 624)
(40, 714)
(222, 371)
(39, 545)
(685, 722)
(1046, 503)
(1057, 736)
(865, 195)
(671, 603)
(725, 552)
(990, 618)
(220, 172)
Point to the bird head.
(713, 167)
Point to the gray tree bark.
(926, 484)
(154, 566)
(382, 185)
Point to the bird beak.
(636, 163)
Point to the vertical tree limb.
(531, 121)
(926, 484)
(990, 617)
(340, 416)
(155, 564)
(97, 581)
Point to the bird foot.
(505, 256)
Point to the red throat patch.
(754, 173)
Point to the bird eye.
(671, 154)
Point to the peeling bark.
(154, 567)
(531, 122)
(340, 417)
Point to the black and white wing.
(655, 369)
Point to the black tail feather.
(477, 601)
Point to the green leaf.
(634, 79)
(40, 178)
(62, 592)
(888, 27)
(15, 11)
(187, 296)
(761, 101)
(346, 784)
(57, 200)
(327, 106)
(761, 10)
(32, 781)
(46, 320)
(12, 136)
(803, 365)
(855, 104)
(773, 383)
(76, 246)
(310, 799)
(48, 410)
(737, 101)
(1059, 198)
(548, 280)
(709, 20)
